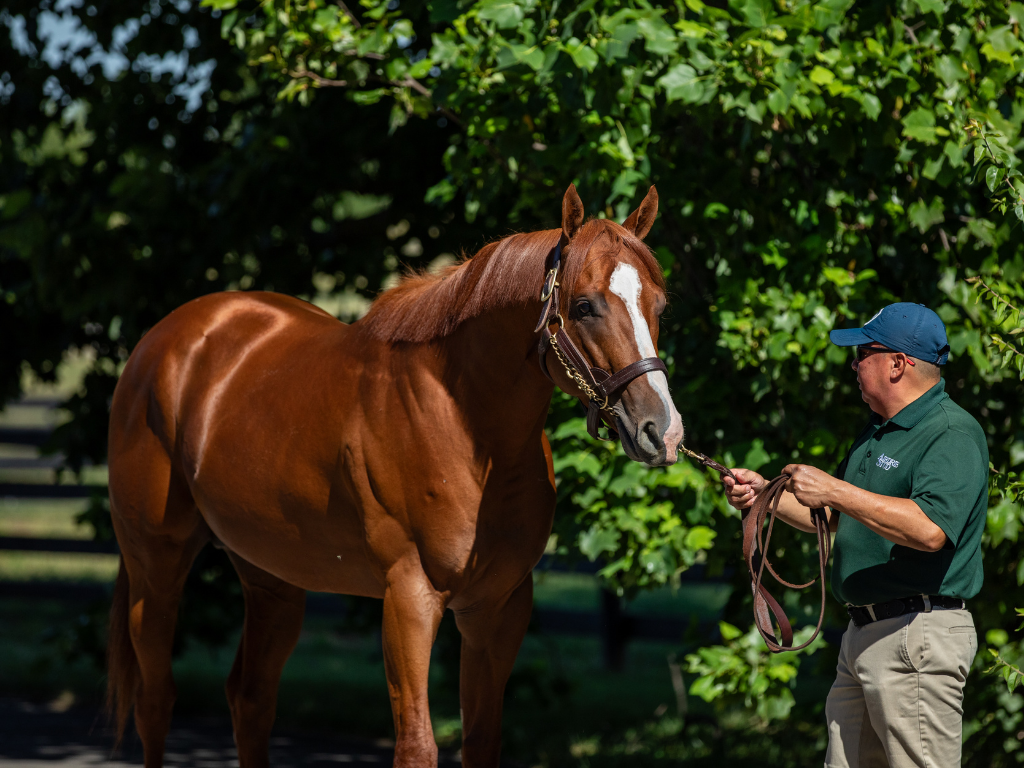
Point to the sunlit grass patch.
(45, 566)
(44, 518)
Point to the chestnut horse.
(401, 457)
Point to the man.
(908, 506)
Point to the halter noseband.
(599, 386)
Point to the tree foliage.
(814, 161)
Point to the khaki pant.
(898, 697)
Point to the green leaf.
(950, 69)
(933, 166)
(777, 101)
(994, 54)
(993, 177)
(821, 76)
(871, 105)
(757, 456)
(920, 124)
(954, 153)
(931, 6)
(699, 537)
(504, 13)
(354, 206)
(421, 68)
(595, 541)
(661, 40)
(681, 83)
(755, 111)
(368, 97)
(997, 637)
(756, 13)
(715, 210)
(1003, 40)
(441, 193)
(839, 276)
(924, 216)
(583, 56)
(729, 632)
(691, 29)
(706, 688)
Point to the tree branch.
(320, 80)
(351, 16)
(910, 31)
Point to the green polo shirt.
(935, 453)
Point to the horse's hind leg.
(160, 532)
(490, 642)
(273, 621)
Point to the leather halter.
(600, 387)
(755, 549)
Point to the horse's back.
(187, 354)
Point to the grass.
(40, 566)
(49, 519)
(42, 518)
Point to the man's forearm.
(796, 514)
(900, 521)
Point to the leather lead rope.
(755, 548)
(599, 386)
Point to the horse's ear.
(641, 220)
(572, 212)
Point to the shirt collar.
(912, 413)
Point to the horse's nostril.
(651, 435)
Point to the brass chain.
(578, 378)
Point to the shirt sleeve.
(948, 481)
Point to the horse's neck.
(493, 369)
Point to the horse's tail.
(123, 672)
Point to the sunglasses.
(863, 352)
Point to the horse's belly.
(315, 546)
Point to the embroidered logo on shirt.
(887, 463)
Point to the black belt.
(865, 614)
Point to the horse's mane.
(426, 306)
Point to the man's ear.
(640, 221)
(572, 212)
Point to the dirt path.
(34, 736)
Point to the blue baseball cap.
(912, 329)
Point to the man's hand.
(742, 494)
(812, 487)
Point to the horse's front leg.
(412, 613)
(491, 638)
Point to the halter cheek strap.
(599, 386)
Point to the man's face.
(873, 366)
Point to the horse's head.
(612, 296)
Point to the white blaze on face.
(625, 284)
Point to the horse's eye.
(583, 308)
